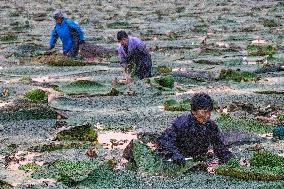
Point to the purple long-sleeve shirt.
(133, 44)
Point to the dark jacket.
(188, 138)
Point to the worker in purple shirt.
(192, 134)
(133, 54)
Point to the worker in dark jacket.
(133, 54)
(192, 134)
(69, 32)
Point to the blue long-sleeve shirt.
(67, 31)
(188, 138)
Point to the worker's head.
(122, 38)
(201, 107)
(58, 16)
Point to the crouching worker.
(69, 33)
(192, 134)
(134, 56)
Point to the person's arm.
(219, 147)
(167, 142)
(78, 30)
(53, 39)
(123, 60)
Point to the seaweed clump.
(9, 37)
(65, 171)
(225, 121)
(66, 62)
(29, 167)
(236, 75)
(164, 69)
(264, 165)
(166, 81)
(173, 105)
(36, 95)
(261, 50)
(144, 159)
(81, 133)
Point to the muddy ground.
(196, 39)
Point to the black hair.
(121, 34)
(201, 101)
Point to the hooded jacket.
(69, 32)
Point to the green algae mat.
(264, 165)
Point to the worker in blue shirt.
(69, 33)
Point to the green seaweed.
(270, 23)
(164, 69)
(166, 81)
(147, 161)
(261, 50)
(113, 92)
(68, 62)
(36, 95)
(68, 172)
(57, 146)
(238, 76)
(4, 185)
(25, 78)
(210, 62)
(82, 86)
(263, 173)
(28, 114)
(81, 133)
(9, 37)
(264, 165)
(225, 121)
(173, 105)
(29, 167)
(280, 117)
(266, 158)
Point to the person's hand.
(178, 159)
